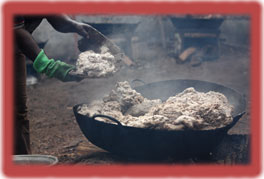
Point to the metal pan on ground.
(150, 143)
(35, 160)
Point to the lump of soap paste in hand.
(97, 65)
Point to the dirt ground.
(54, 130)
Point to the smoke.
(236, 31)
(142, 38)
(145, 45)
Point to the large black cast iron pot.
(150, 143)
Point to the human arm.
(26, 43)
(64, 24)
(41, 62)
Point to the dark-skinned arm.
(26, 43)
(64, 24)
(41, 63)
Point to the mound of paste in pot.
(189, 109)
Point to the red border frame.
(253, 9)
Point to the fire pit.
(199, 32)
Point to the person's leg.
(21, 127)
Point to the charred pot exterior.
(189, 109)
